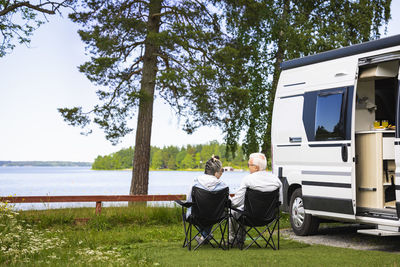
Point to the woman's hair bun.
(213, 165)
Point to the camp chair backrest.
(260, 207)
(209, 206)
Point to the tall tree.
(18, 20)
(278, 30)
(139, 48)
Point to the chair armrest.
(184, 203)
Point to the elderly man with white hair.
(258, 179)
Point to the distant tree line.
(173, 158)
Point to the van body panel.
(362, 48)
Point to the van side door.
(397, 148)
(329, 168)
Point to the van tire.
(302, 223)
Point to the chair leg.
(199, 234)
(184, 227)
(222, 237)
(236, 234)
(190, 237)
(246, 233)
(272, 240)
(278, 233)
(271, 236)
(185, 242)
(223, 232)
(254, 241)
(227, 233)
(210, 237)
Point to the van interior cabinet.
(374, 168)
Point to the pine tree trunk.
(141, 162)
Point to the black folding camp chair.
(208, 209)
(261, 209)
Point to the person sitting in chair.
(258, 179)
(210, 181)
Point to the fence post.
(98, 207)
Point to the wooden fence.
(97, 199)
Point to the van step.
(378, 232)
(389, 214)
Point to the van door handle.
(345, 154)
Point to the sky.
(36, 80)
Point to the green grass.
(140, 236)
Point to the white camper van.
(336, 137)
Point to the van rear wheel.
(302, 223)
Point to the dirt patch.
(347, 237)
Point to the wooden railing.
(97, 199)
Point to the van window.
(329, 124)
(327, 114)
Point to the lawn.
(140, 236)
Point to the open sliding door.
(397, 148)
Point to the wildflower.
(18, 241)
(52, 257)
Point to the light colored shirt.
(262, 181)
(206, 182)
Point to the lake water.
(58, 181)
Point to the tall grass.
(110, 216)
(45, 236)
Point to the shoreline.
(182, 170)
(89, 167)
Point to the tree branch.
(55, 6)
(162, 14)
(166, 57)
(129, 75)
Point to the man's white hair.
(259, 160)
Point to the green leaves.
(19, 19)
(75, 116)
(267, 32)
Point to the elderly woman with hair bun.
(209, 181)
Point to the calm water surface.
(58, 181)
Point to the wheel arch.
(290, 191)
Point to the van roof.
(342, 52)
